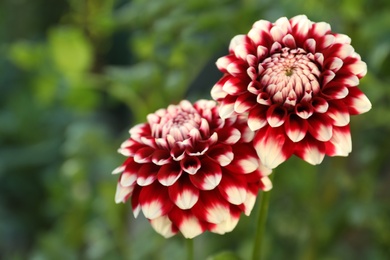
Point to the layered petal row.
(189, 171)
(297, 81)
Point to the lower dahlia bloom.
(298, 82)
(188, 170)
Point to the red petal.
(123, 193)
(311, 150)
(234, 86)
(212, 207)
(161, 157)
(243, 50)
(147, 174)
(358, 67)
(154, 201)
(190, 164)
(177, 153)
(337, 92)
(334, 64)
(169, 174)
(130, 147)
(296, 128)
(143, 155)
(223, 154)
(244, 102)
(289, 41)
(357, 102)
(229, 135)
(319, 105)
(320, 29)
(183, 193)
(300, 28)
(226, 108)
(229, 224)
(217, 92)
(304, 110)
(233, 188)
(188, 224)
(223, 62)
(338, 112)
(208, 176)
(257, 118)
(272, 146)
(245, 159)
(340, 144)
(252, 192)
(320, 127)
(276, 115)
(136, 206)
(237, 68)
(163, 226)
(327, 76)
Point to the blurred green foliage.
(76, 75)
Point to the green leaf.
(71, 50)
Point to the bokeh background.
(75, 75)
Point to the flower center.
(176, 121)
(289, 76)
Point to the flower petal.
(222, 154)
(233, 188)
(272, 146)
(257, 118)
(188, 224)
(340, 144)
(209, 175)
(161, 157)
(339, 113)
(163, 226)
(226, 108)
(147, 174)
(143, 155)
(217, 91)
(245, 160)
(211, 207)
(190, 164)
(229, 135)
(223, 62)
(168, 174)
(311, 150)
(276, 115)
(244, 103)
(184, 194)
(357, 102)
(123, 193)
(320, 127)
(296, 128)
(154, 201)
(359, 68)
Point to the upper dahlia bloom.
(188, 170)
(298, 82)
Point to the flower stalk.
(190, 248)
(262, 218)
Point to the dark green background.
(75, 75)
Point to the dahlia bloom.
(297, 80)
(188, 170)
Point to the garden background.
(75, 75)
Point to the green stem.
(262, 218)
(190, 249)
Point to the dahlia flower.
(297, 80)
(188, 170)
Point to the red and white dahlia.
(188, 170)
(297, 80)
